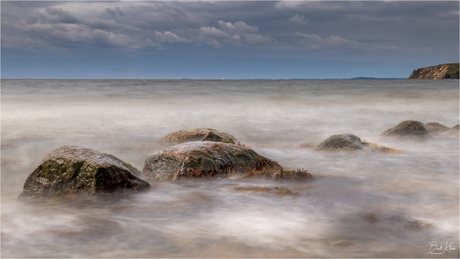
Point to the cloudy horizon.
(234, 40)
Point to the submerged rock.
(281, 175)
(199, 159)
(71, 171)
(278, 191)
(407, 128)
(349, 142)
(452, 133)
(342, 142)
(200, 134)
(435, 128)
(292, 175)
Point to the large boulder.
(199, 159)
(409, 128)
(452, 133)
(349, 142)
(435, 128)
(201, 134)
(71, 171)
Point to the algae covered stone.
(409, 128)
(198, 159)
(72, 171)
(200, 134)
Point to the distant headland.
(442, 71)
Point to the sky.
(226, 39)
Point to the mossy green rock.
(199, 159)
(200, 134)
(409, 128)
(70, 172)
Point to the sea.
(363, 204)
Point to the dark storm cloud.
(59, 15)
(115, 11)
(361, 27)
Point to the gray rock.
(407, 128)
(70, 172)
(200, 134)
(199, 159)
(435, 128)
(342, 142)
(350, 142)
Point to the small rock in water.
(281, 175)
(349, 142)
(278, 191)
(200, 134)
(435, 128)
(344, 243)
(292, 175)
(200, 159)
(69, 172)
(342, 142)
(452, 133)
(409, 128)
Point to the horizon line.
(221, 79)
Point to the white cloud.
(337, 43)
(169, 37)
(299, 19)
(213, 33)
(237, 33)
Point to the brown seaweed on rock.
(280, 175)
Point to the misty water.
(386, 204)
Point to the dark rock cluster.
(406, 130)
(69, 171)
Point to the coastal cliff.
(444, 71)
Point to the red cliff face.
(444, 71)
